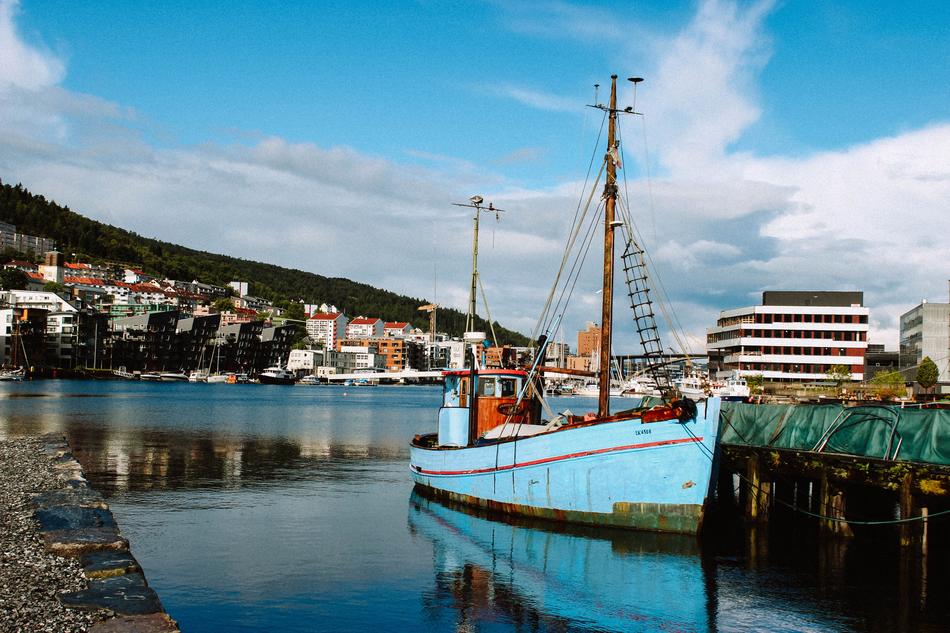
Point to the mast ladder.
(635, 271)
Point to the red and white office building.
(792, 337)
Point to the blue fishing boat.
(499, 446)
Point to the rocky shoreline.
(64, 566)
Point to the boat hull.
(275, 380)
(654, 476)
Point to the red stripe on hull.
(547, 460)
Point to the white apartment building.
(305, 360)
(327, 328)
(363, 327)
(49, 301)
(352, 358)
(257, 304)
(445, 354)
(792, 336)
(396, 329)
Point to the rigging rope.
(491, 324)
(575, 228)
(543, 320)
(577, 267)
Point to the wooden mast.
(610, 196)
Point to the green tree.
(294, 312)
(927, 373)
(755, 382)
(889, 384)
(223, 304)
(54, 286)
(839, 374)
(13, 279)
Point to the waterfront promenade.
(65, 566)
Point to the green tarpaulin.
(889, 432)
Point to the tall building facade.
(588, 341)
(792, 336)
(925, 331)
(327, 328)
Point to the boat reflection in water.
(541, 576)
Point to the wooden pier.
(842, 494)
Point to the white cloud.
(24, 66)
(539, 99)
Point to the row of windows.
(804, 368)
(793, 318)
(805, 351)
(802, 334)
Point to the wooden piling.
(907, 510)
(753, 485)
(832, 505)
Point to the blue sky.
(291, 132)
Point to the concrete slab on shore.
(66, 567)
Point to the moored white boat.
(12, 375)
(693, 387)
(592, 390)
(735, 388)
(277, 375)
(172, 376)
(121, 372)
(633, 387)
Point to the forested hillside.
(98, 242)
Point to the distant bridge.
(388, 377)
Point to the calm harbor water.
(260, 508)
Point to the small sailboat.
(216, 378)
(641, 468)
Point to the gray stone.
(75, 543)
(55, 450)
(128, 594)
(73, 518)
(153, 623)
(105, 564)
(83, 497)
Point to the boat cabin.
(470, 410)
